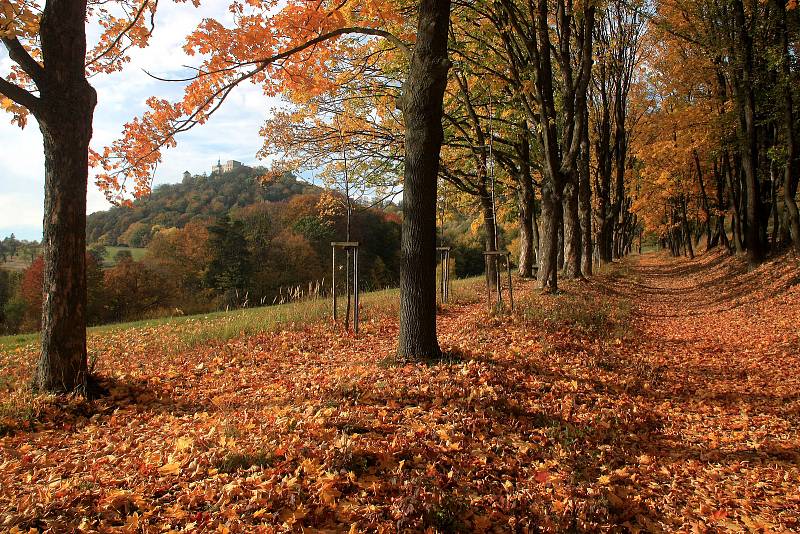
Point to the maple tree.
(48, 47)
(558, 118)
(422, 102)
(469, 159)
(620, 33)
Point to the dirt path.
(721, 349)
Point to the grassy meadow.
(185, 332)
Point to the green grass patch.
(111, 252)
(182, 333)
(598, 317)
(235, 461)
(615, 270)
(19, 262)
(18, 409)
(445, 516)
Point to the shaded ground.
(662, 395)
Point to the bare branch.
(19, 95)
(261, 64)
(265, 62)
(21, 57)
(122, 34)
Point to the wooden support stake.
(444, 275)
(351, 250)
(355, 289)
(447, 271)
(489, 258)
(510, 282)
(333, 282)
(495, 256)
(498, 276)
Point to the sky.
(232, 133)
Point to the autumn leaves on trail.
(723, 348)
(659, 396)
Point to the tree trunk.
(560, 211)
(526, 198)
(687, 234)
(548, 258)
(422, 104)
(746, 102)
(527, 250)
(65, 119)
(536, 241)
(792, 173)
(604, 172)
(585, 201)
(572, 229)
(773, 174)
(789, 192)
(704, 199)
(736, 225)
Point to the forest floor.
(661, 395)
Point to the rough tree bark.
(585, 200)
(704, 199)
(620, 163)
(422, 113)
(526, 197)
(736, 224)
(559, 161)
(746, 103)
(721, 233)
(548, 244)
(604, 155)
(527, 241)
(64, 114)
(792, 174)
(687, 234)
(572, 229)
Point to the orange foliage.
(123, 24)
(281, 47)
(32, 294)
(680, 120)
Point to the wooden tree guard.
(495, 256)
(444, 279)
(352, 246)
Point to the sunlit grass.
(111, 253)
(189, 331)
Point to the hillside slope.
(199, 196)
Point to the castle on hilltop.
(228, 166)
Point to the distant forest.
(223, 241)
(197, 197)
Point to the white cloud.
(21, 214)
(231, 134)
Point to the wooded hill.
(196, 197)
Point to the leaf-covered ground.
(659, 396)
